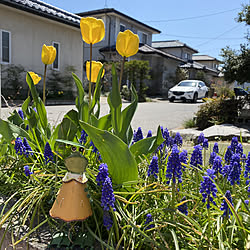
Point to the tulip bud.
(92, 29)
(96, 66)
(48, 55)
(127, 43)
(36, 78)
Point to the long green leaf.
(97, 93)
(121, 163)
(127, 116)
(80, 91)
(41, 111)
(147, 146)
(8, 130)
(115, 103)
(103, 123)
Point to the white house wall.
(28, 34)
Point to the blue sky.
(206, 26)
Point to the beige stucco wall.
(29, 32)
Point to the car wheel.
(171, 100)
(195, 98)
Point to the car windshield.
(187, 84)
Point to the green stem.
(44, 83)
(197, 182)
(208, 217)
(90, 69)
(173, 195)
(121, 73)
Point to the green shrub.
(217, 111)
(190, 123)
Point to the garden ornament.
(72, 202)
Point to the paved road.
(148, 115)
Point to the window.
(5, 46)
(187, 56)
(56, 63)
(122, 27)
(144, 38)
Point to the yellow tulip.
(92, 29)
(127, 43)
(48, 55)
(36, 78)
(96, 66)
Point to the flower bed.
(135, 192)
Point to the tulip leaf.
(10, 131)
(115, 103)
(102, 123)
(72, 115)
(41, 111)
(67, 130)
(115, 153)
(80, 98)
(127, 115)
(32, 117)
(15, 118)
(26, 104)
(147, 146)
(97, 93)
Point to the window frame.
(121, 24)
(143, 33)
(1, 47)
(57, 55)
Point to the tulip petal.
(96, 66)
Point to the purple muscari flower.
(170, 141)
(239, 149)
(27, 171)
(205, 143)
(216, 148)
(183, 159)
(174, 165)
(228, 155)
(153, 168)
(235, 170)
(149, 219)
(212, 157)
(28, 149)
(224, 205)
(94, 150)
(178, 139)
(107, 220)
(19, 147)
(149, 134)
(201, 138)
(137, 135)
(217, 165)
(48, 154)
(183, 208)
(247, 167)
(35, 109)
(208, 188)
(247, 202)
(196, 157)
(165, 134)
(27, 127)
(108, 198)
(102, 174)
(20, 112)
(225, 171)
(83, 137)
(234, 143)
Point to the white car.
(188, 90)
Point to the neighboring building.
(176, 48)
(209, 61)
(26, 25)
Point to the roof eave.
(114, 11)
